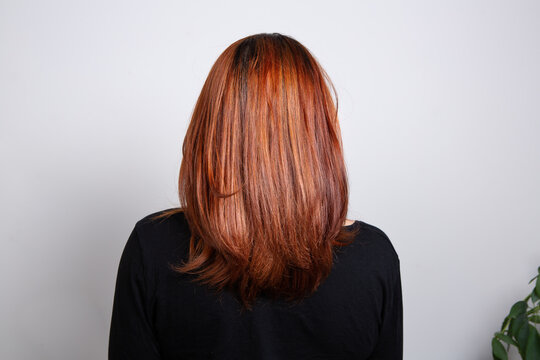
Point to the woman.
(259, 261)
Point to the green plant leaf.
(507, 339)
(518, 308)
(533, 344)
(523, 336)
(512, 330)
(505, 322)
(516, 324)
(534, 297)
(535, 319)
(537, 287)
(498, 350)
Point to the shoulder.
(372, 247)
(161, 220)
(161, 231)
(373, 234)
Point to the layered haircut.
(263, 183)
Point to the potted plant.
(519, 328)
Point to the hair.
(263, 183)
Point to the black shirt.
(356, 313)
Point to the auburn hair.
(263, 183)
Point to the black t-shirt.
(356, 313)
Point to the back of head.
(263, 183)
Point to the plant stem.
(533, 310)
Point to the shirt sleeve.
(390, 343)
(131, 334)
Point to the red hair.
(263, 184)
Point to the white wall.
(439, 104)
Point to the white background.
(439, 105)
